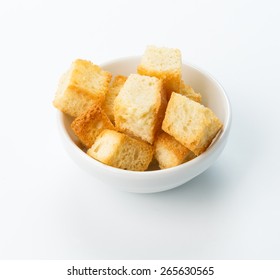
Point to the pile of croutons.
(150, 118)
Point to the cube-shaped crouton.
(119, 150)
(190, 93)
(114, 89)
(190, 123)
(169, 152)
(84, 85)
(139, 107)
(90, 124)
(163, 63)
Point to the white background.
(51, 209)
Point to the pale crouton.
(169, 152)
(139, 107)
(165, 64)
(89, 125)
(84, 85)
(119, 150)
(190, 123)
(114, 89)
(190, 93)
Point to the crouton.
(169, 152)
(139, 107)
(113, 92)
(190, 93)
(121, 151)
(163, 63)
(190, 123)
(90, 124)
(82, 86)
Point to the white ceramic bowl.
(213, 96)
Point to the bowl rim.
(210, 150)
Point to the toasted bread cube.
(163, 63)
(139, 107)
(190, 93)
(119, 150)
(90, 124)
(82, 86)
(169, 152)
(110, 97)
(190, 123)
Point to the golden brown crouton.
(84, 85)
(89, 125)
(190, 123)
(169, 152)
(119, 150)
